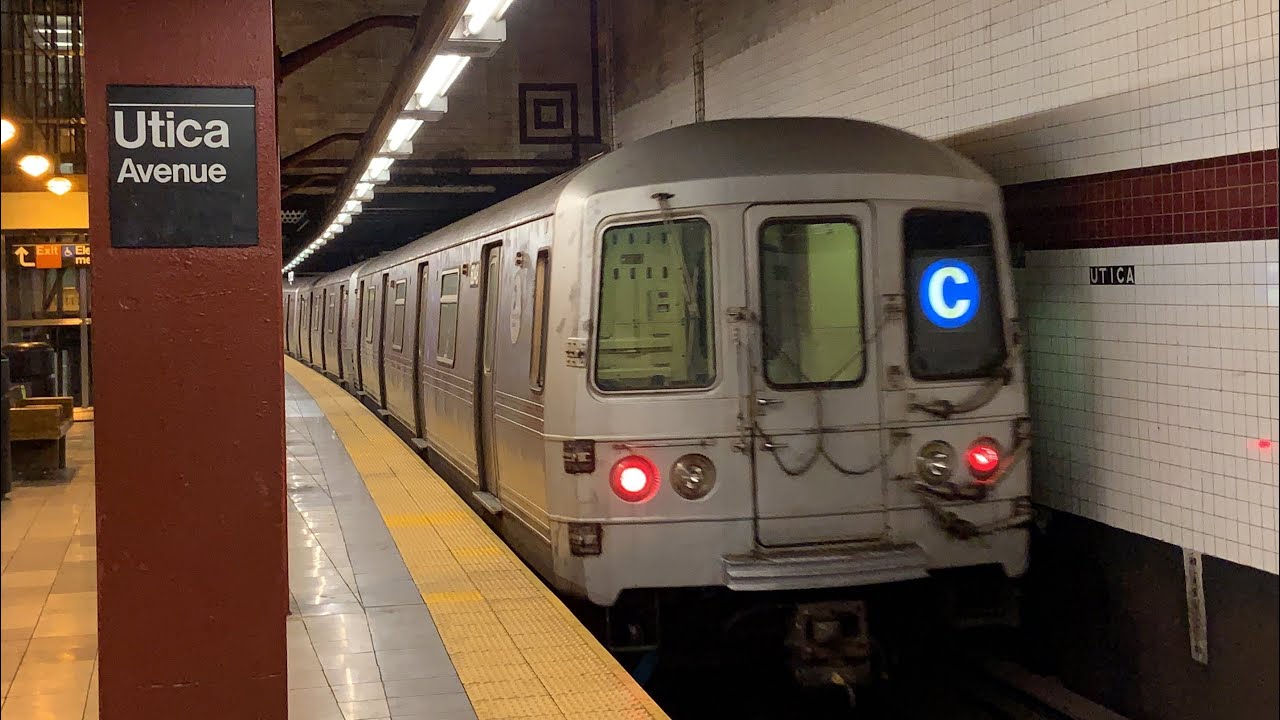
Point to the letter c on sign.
(949, 293)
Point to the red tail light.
(983, 458)
(634, 479)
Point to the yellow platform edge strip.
(519, 652)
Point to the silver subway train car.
(758, 354)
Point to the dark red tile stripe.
(1233, 197)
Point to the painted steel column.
(189, 390)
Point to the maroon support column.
(187, 353)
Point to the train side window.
(811, 303)
(333, 314)
(655, 332)
(447, 322)
(538, 343)
(370, 305)
(316, 308)
(397, 315)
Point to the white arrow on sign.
(21, 252)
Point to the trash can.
(32, 365)
(6, 464)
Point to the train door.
(326, 324)
(381, 343)
(361, 319)
(420, 352)
(817, 458)
(342, 325)
(317, 328)
(288, 324)
(305, 329)
(488, 340)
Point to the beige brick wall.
(547, 41)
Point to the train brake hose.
(984, 394)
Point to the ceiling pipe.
(299, 58)
(293, 159)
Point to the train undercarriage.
(847, 640)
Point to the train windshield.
(655, 330)
(954, 317)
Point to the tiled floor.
(49, 589)
(362, 645)
(361, 641)
(519, 652)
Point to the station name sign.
(183, 165)
(1112, 275)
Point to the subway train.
(757, 357)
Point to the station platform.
(454, 622)
(404, 604)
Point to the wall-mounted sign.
(51, 256)
(183, 166)
(1111, 275)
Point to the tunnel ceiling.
(477, 154)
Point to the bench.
(38, 428)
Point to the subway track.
(961, 679)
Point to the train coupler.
(829, 644)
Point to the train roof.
(740, 147)
(772, 146)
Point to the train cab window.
(811, 302)
(538, 344)
(397, 315)
(447, 326)
(370, 307)
(656, 324)
(953, 295)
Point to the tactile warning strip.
(518, 650)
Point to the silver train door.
(361, 319)
(420, 351)
(813, 386)
(488, 340)
(342, 326)
(380, 340)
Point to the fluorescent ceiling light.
(401, 133)
(352, 206)
(378, 166)
(479, 13)
(437, 79)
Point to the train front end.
(793, 388)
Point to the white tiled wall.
(1032, 89)
(1159, 393)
